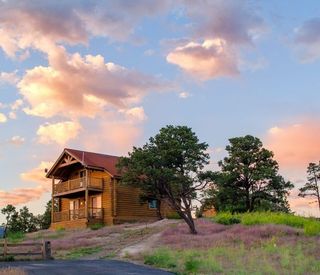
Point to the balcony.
(76, 214)
(79, 184)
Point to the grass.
(15, 237)
(82, 251)
(12, 271)
(311, 226)
(268, 258)
(96, 226)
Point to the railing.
(78, 183)
(25, 250)
(75, 214)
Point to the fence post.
(5, 248)
(46, 250)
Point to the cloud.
(41, 23)
(10, 78)
(135, 114)
(17, 140)
(16, 105)
(24, 195)
(295, 145)
(219, 31)
(95, 86)
(184, 95)
(20, 195)
(3, 118)
(38, 175)
(307, 40)
(211, 59)
(60, 132)
(236, 22)
(114, 136)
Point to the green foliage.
(96, 226)
(173, 216)
(227, 218)
(15, 237)
(82, 251)
(161, 258)
(311, 226)
(311, 187)
(249, 179)
(60, 228)
(24, 221)
(269, 257)
(9, 258)
(169, 166)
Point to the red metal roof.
(96, 160)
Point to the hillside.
(218, 248)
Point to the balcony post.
(86, 196)
(52, 201)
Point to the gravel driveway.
(77, 267)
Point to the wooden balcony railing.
(74, 184)
(76, 214)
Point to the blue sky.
(106, 75)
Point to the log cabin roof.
(89, 160)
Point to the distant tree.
(44, 220)
(249, 179)
(11, 215)
(169, 166)
(21, 220)
(311, 187)
(27, 222)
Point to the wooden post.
(52, 201)
(46, 250)
(86, 197)
(5, 248)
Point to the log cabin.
(86, 190)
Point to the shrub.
(96, 226)
(311, 226)
(173, 216)
(60, 228)
(161, 258)
(227, 218)
(15, 237)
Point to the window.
(152, 204)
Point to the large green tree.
(170, 166)
(249, 179)
(311, 187)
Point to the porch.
(78, 214)
(77, 184)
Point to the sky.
(104, 76)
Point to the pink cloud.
(60, 132)
(296, 145)
(211, 59)
(95, 86)
(35, 24)
(18, 196)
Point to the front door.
(96, 207)
(74, 209)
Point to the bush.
(15, 237)
(173, 216)
(60, 228)
(227, 218)
(161, 258)
(311, 226)
(96, 226)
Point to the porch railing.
(76, 214)
(78, 183)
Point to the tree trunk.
(159, 210)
